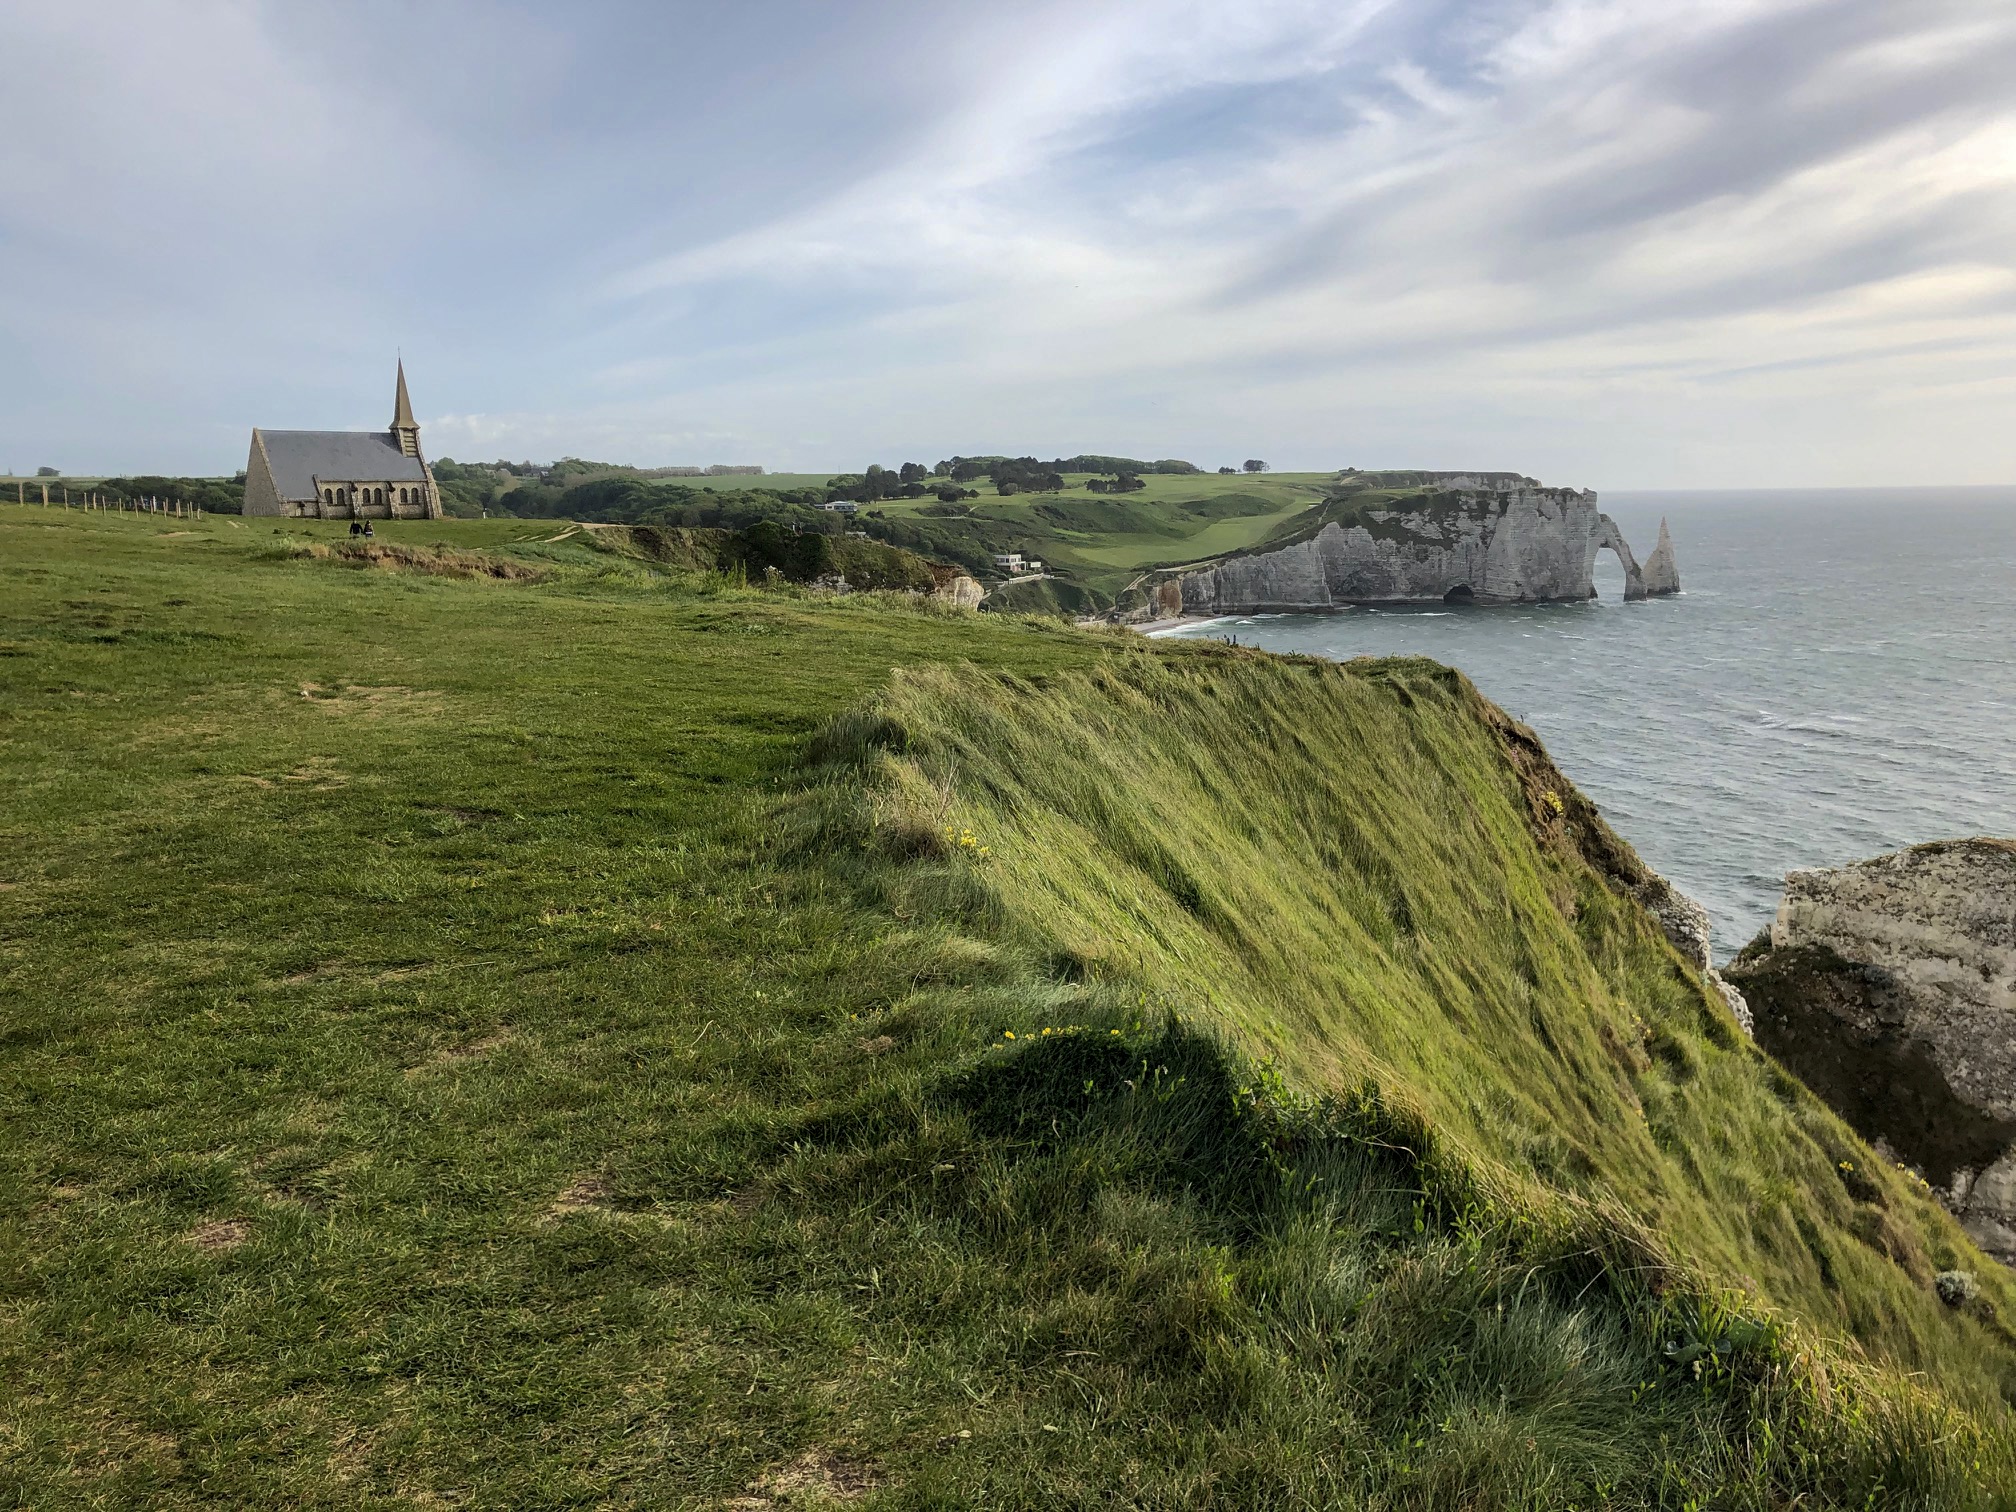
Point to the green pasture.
(1103, 540)
(730, 481)
(585, 1033)
(12, 484)
(1100, 541)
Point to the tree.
(1229, 471)
(1254, 464)
(868, 487)
(913, 472)
(47, 472)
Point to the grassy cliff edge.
(560, 1027)
(1401, 930)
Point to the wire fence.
(181, 509)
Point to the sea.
(1836, 679)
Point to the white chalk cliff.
(1503, 542)
(1889, 987)
(1662, 572)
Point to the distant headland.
(1419, 538)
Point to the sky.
(1610, 243)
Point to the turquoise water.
(1835, 681)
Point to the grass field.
(730, 481)
(557, 1042)
(1100, 542)
(1103, 541)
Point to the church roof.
(298, 458)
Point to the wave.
(1188, 627)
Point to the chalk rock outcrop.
(1685, 923)
(1889, 987)
(960, 589)
(1662, 572)
(1494, 545)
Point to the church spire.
(405, 429)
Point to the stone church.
(344, 475)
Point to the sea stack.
(1889, 988)
(1662, 573)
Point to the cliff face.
(1516, 544)
(1889, 987)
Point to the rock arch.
(1607, 534)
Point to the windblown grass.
(456, 1051)
(1376, 886)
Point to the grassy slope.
(436, 1069)
(1175, 518)
(1339, 865)
(1103, 541)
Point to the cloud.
(1618, 241)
